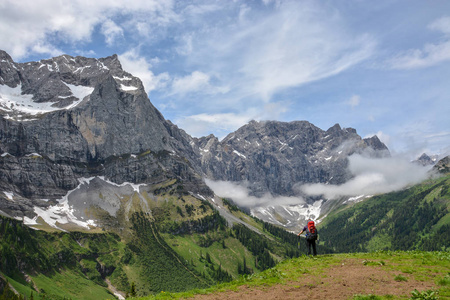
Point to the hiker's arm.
(300, 232)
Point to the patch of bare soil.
(350, 278)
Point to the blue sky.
(381, 67)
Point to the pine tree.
(133, 290)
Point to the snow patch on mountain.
(13, 101)
(9, 195)
(72, 210)
(357, 199)
(291, 217)
(78, 91)
(239, 154)
(310, 211)
(127, 88)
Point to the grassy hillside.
(417, 218)
(182, 244)
(359, 276)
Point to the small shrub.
(444, 281)
(400, 277)
(425, 295)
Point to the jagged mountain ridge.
(273, 156)
(68, 119)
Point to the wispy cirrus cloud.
(197, 81)
(296, 43)
(430, 54)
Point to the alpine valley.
(101, 196)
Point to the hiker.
(311, 236)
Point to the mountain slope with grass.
(417, 218)
(183, 244)
(359, 276)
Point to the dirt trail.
(350, 278)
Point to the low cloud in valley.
(240, 194)
(371, 176)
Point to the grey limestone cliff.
(273, 156)
(68, 118)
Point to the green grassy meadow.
(432, 268)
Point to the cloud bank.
(239, 193)
(371, 176)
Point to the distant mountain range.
(71, 123)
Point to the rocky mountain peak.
(31, 89)
(375, 144)
(336, 128)
(426, 160)
(5, 57)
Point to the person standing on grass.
(311, 236)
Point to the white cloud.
(430, 54)
(354, 101)
(239, 193)
(372, 176)
(441, 24)
(140, 67)
(45, 48)
(191, 83)
(111, 31)
(196, 82)
(33, 23)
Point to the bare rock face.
(69, 118)
(273, 156)
(77, 108)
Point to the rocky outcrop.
(442, 166)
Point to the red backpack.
(311, 235)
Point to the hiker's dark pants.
(312, 244)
